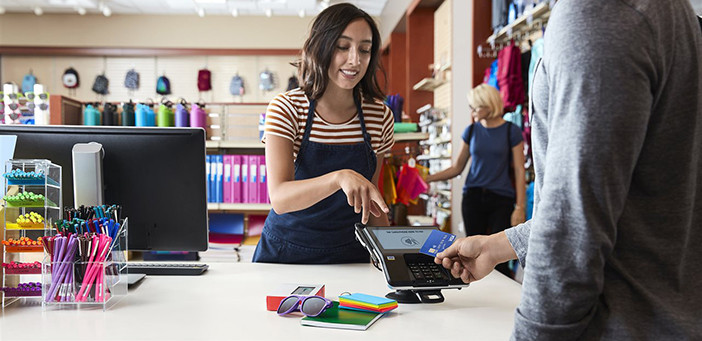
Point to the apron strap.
(308, 129)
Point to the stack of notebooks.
(365, 302)
(355, 311)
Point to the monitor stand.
(416, 296)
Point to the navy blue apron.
(324, 232)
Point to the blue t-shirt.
(490, 154)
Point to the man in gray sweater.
(614, 248)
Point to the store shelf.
(402, 137)
(234, 144)
(430, 157)
(540, 12)
(428, 84)
(435, 141)
(239, 207)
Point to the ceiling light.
(106, 11)
(235, 12)
(38, 11)
(210, 1)
(301, 13)
(269, 12)
(201, 12)
(2, 10)
(81, 10)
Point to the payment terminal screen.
(402, 239)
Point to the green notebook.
(342, 318)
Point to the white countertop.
(228, 303)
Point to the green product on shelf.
(401, 127)
(27, 199)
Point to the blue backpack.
(236, 87)
(28, 82)
(163, 86)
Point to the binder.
(208, 167)
(253, 178)
(244, 179)
(227, 183)
(219, 177)
(236, 179)
(262, 183)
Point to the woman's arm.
(456, 168)
(381, 220)
(289, 195)
(519, 214)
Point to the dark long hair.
(313, 66)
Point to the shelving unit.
(428, 84)
(407, 137)
(47, 182)
(539, 13)
(240, 208)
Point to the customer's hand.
(361, 194)
(518, 216)
(473, 258)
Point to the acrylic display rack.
(43, 178)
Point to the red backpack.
(204, 80)
(509, 76)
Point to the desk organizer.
(97, 283)
(31, 206)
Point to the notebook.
(342, 318)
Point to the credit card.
(436, 242)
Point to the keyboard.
(177, 269)
(425, 272)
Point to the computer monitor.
(156, 174)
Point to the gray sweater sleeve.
(596, 76)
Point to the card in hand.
(438, 241)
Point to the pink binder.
(227, 181)
(253, 179)
(236, 179)
(245, 179)
(262, 180)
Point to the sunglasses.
(30, 95)
(309, 305)
(42, 106)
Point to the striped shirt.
(286, 117)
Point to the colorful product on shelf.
(14, 268)
(20, 177)
(23, 290)
(24, 244)
(27, 199)
(31, 220)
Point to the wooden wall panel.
(420, 54)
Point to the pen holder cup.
(84, 284)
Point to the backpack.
(131, 80)
(266, 81)
(509, 76)
(70, 78)
(236, 87)
(163, 86)
(101, 84)
(204, 80)
(28, 82)
(292, 83)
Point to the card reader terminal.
(395, 251)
